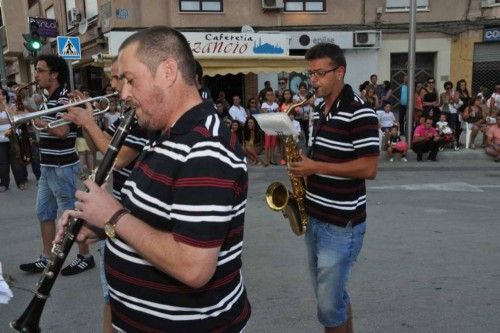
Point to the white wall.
(442, 47)
(360, 65)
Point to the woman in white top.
(302, 114)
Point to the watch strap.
(117, 215)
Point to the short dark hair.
(373, 75)
(448, 83)
(198, 71)
(57, 65)
(327, 50)
(302, 84)
(156, 44)
(429, 118)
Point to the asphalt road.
(430, 261)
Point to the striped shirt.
(136, 139)
(191, 182)
(54, 151)
(347, 132)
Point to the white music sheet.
(276, 123)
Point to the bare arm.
(100, 140)
(360, 168)
(191, 265)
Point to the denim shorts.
(332, 251)
(102, 272)
(56, 191)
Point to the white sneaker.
(403, 159)
(391, 159)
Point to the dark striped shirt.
(347, 132)
(136, 139)
(192, 182)
(55, 151)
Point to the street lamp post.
(411, 70)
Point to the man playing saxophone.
(344, 152)
(59, 166)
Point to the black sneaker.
(35, 267)
(79, 264)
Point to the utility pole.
(411, 70)
(3, 76)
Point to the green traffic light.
(36, 45)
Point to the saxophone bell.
(279, 198)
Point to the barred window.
(200, 5)
(305, 6)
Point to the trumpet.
(16, 120)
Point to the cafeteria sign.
(237, 44)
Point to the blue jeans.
(56, 191)
(102, 271)
(332, 251)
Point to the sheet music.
(5, 292)
(276, 123)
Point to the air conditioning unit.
(365, 38)
(488, 3)
(74, 16)
(272, 4)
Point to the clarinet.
(30, 319)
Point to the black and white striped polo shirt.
(54, 151)
(191, 182)
(347, 132)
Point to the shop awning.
(234, 65)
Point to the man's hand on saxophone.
(304, 167)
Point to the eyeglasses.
(320, 73)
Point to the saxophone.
(21, 147)
(278, 197)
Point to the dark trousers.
(402, 119)
(430, 146)
(35, 160)
(7, 162)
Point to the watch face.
(109, 230)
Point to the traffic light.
(33, 40)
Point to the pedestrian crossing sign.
(69, 47)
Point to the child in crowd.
(386, 121)
(269, 105)
(445, 132)
(396, 145)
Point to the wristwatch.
(109, 227)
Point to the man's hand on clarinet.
(86, 235)
(96, 206)
(304, 167)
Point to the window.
(404, 5)
(90, 9)
(50, 13)
(200, 5)
(490, 3)
(305, 6)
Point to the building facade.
(455, 38)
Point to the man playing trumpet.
(59, 166)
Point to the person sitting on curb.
(396, 145)
(493, 140)
(426, 139)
